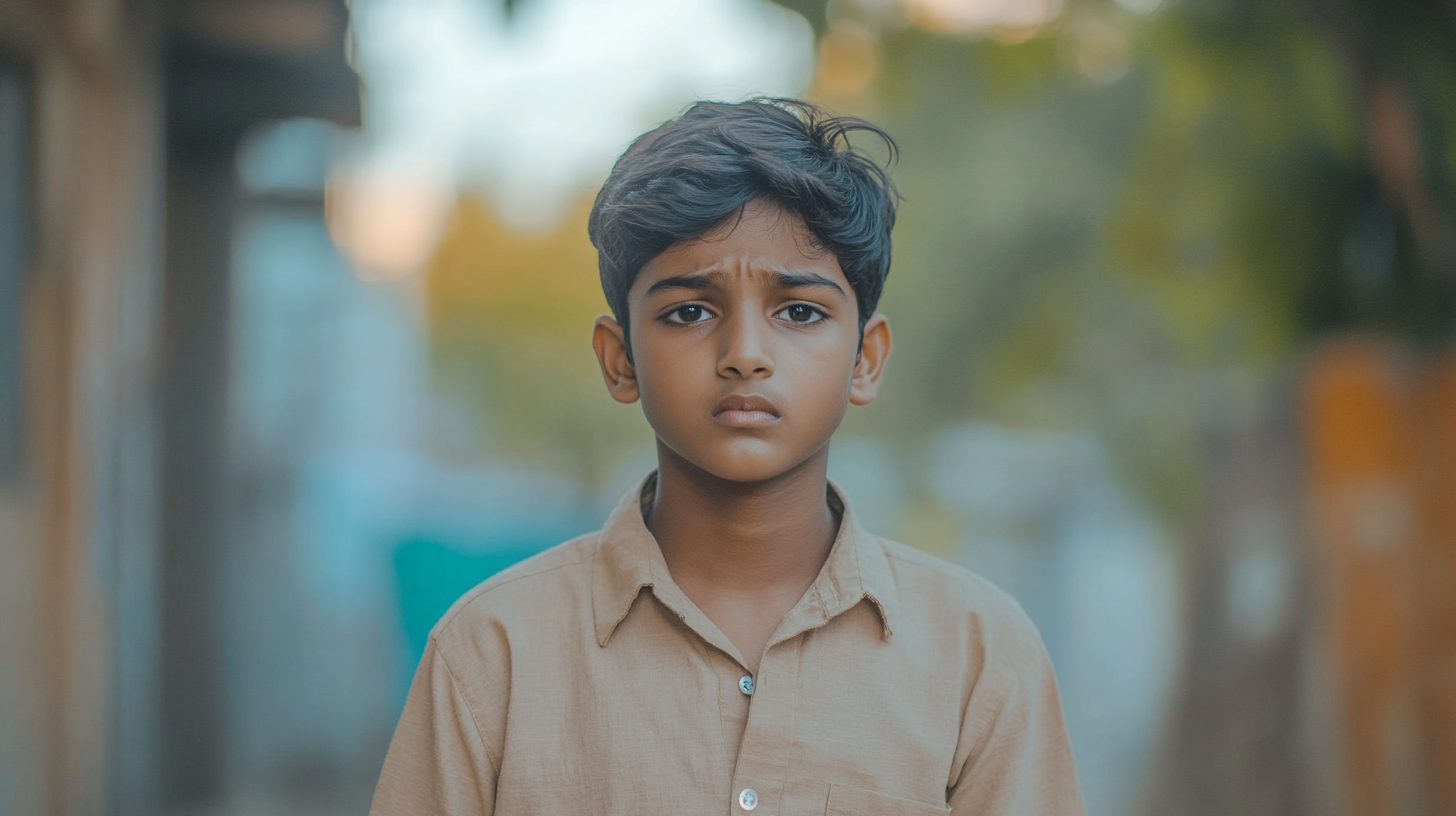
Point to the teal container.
(432, 575)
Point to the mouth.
(745, 411)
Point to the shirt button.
(745, 684)
(748, 798)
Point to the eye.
(801, 313)
(688, 314)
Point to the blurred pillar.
(200, 184)
(19, 549)
(229, 65)
(1363, 448)
(1234, 736)
(1437, 576)
(77, 533)
(1344, 703)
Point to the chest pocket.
(846, 800)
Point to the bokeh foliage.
(1146, 246)
(1132, 222)
(511, 315)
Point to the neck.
(760, 539)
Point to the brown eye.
(801, 313)
(691, 313)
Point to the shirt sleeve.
(438, 764)
(1021, 761)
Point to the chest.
(659, 721)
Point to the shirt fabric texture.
(583, 681)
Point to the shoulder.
(949, 601)
(543, 587)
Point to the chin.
(745, 466)
(746, 472)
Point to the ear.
(874, 353)
(610, 344)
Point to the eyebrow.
(788, 280)
(700, 280)
(704, 280)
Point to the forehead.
(766, 239)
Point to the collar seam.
(603, 637)
(867, 588)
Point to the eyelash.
(667, 317)
(676, 310)
(819, 314)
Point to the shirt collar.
(629, 559)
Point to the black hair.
(689, 175)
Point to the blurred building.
(119, 126)
(1174, 297)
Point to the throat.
(743, 554)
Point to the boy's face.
(746, 347)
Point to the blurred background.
(295, 301)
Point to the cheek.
(825, 385)
(666, 381)
(839, 405)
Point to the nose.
(745, 350)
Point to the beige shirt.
(583, 681)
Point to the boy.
(732, 641)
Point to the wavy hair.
(693, 173)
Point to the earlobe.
(609, 342)
(874, 353)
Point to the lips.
(745, 411)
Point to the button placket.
(764, 753)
